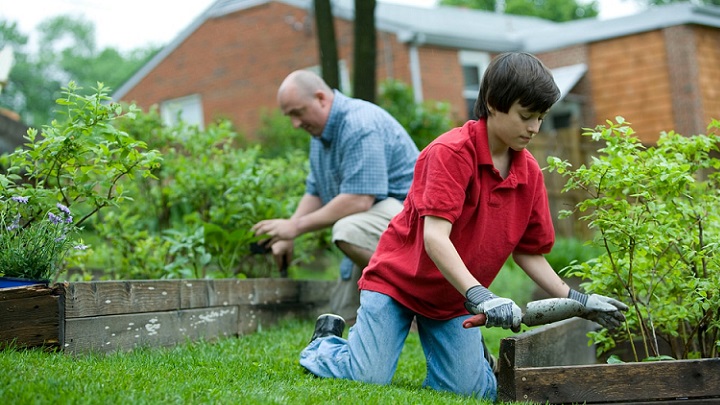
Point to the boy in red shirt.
(477, 197)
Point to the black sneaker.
(328, 325)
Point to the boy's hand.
(601, 309)
(502, 312)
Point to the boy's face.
(514, 129)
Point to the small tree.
(657, 215)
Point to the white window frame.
(187, 109)
(480, 60)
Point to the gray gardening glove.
(502, 312)
(601, 309)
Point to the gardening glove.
(601, 309)
(502, 312)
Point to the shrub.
(424, 122)
(657, 215)
(78, 162)
(199, 206)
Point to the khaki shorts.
(364, 228)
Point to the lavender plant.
(34, 248)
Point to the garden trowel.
(540, 312)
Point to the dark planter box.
(554, 364)
(30, 315)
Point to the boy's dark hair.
(516, 76)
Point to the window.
(187, 109)
(473, 66)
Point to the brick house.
(660, 69)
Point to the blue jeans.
(454, 356)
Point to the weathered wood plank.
(548, 345)
(30, 321)
(12, 293)
(206, 293)
(99, 298)
(30, 316)
(256, 317)
(627, 382)
(128, 331)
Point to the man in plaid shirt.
(361, 167)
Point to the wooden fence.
(567, 144)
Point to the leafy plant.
(202, 202)
(656, 210)
(424, 121)
(34, 248)
(77, 162)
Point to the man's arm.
(603, 310)
(339, 207)
(311, 215)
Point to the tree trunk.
(327, 43)
(364, 82)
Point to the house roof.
(592, 29)
(469, 29)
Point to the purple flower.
(21, 200)
(54, 218)
(64, 209)
(15, 224)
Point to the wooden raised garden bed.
(106, 316)
(554, 364)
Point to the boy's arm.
(501, 312)
(540, 271)
(603, 310)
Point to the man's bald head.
(306, 99)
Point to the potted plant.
(33, 247)
(656, 212)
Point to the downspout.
(415, 75)
(414, 41)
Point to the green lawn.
(261, 368)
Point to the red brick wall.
(236, 62)
(442, 78)
(708, 54)
(629, 77)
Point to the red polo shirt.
(455, 179)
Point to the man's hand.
(501, 312)
(601, 309)
(277, 229)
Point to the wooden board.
(554, 364)
(152, 329)
(99, 298)
(627, 382)
(29, 316)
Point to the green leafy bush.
(657, 215)
(77, 163)
(199, 206)
(424, 122)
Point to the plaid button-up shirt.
(362, 150)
